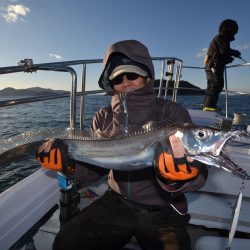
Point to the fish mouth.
(220, 157)
(230, 137)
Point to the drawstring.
(123, 100)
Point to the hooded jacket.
(135, 51)
(143, 106)
(219, 50)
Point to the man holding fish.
(148, 203)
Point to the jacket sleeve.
(101, 120)
(173, 111)
(225, 51)
(224, 47)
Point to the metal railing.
(171, 72)
(226, 85)
(28, 66)
(226, 90)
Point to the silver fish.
(136, 149)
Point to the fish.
(133, 148)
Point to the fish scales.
(132, 150)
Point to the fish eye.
(202, 134)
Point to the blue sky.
(62, 30)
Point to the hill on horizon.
(185, 87)
(188, 89)
(33, 91)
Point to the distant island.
(35, 91)
(186, 88)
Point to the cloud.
(243, 47)
(55, 56)
(201, 53)
(14, 13)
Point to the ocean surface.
(55, 113)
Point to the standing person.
(218, 55)
(138, 203)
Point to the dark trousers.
(109, 224)
(215, 84)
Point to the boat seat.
(218, 243)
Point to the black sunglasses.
(130, 76)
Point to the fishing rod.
(242, 59)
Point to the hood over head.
(228, 27)
(120, 64)
(139, 61)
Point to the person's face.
(127, 85)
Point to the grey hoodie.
(135, 51)
(143, 106)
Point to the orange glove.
(54, 155)
(175, 169)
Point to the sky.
(63, 30)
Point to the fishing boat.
(33, 210)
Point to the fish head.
(208, 145)
(207, 140)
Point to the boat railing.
(226, 90)
(28, 66)
(170, 72)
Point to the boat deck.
(210, 207)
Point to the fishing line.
(123, 100)
(242, 59)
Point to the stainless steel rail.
(73, 90)
(13, 102)
(173, 66)
(226, 90)
(170, 62)
(226, 86)
(27, 65)
(82, 102)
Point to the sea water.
(56, 113)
